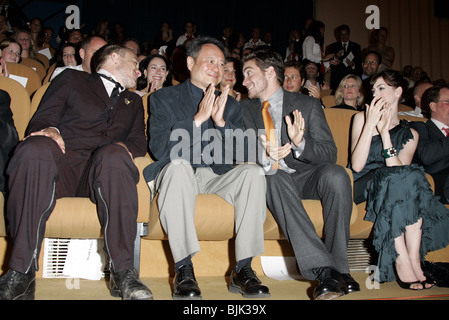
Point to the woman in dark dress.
(408, 219)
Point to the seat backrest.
(44, 59)
(37, 97)
(20, 104)
(36, 66)
(328, 101)
(340, 121)
(34, 81)
(49, 73)
(145, 99)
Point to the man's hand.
(276, 153)
(212, 106)
(51, 133)
(296, 128)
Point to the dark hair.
(265, 59)
(298, 66)
(315, 31)
(433, 95)
(377, 54)
(393, 79)
(60, 61)
(343, 27)
(99, 58)
(142, 81)
(197, 44)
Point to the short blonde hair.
(339, 92)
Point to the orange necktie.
(269, 128)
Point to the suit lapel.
(100, 91)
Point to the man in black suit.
(433, 148)
(348, 54)
(81, 142)
(370, 66)
(305, 153)
(190, 129)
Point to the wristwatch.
(389, 153)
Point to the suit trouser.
(328, 183)
(243, 187)
(39, 173)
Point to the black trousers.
(39, 173)
(328, 183)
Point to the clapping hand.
(296, 128)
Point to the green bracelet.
(389, 153)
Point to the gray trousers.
(244, 187)
(328, 183)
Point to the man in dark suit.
(348, 55)
(305, 153)
(81, 142)
(433, 148)
(190, 128)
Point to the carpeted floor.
(215, 288)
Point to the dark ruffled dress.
(397, 197)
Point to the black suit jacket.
(173, 133)
(78, 105)
(339, 71)
(319, 148)
(433, 147)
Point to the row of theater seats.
(76, 218)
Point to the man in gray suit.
(305, 153)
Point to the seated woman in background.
(68, 56)
(156, 74)
(348, 94)
(408, 219)
(230, 77)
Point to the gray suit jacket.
(319, 148)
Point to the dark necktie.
(116, 91)
(269, 129)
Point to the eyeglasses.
(352, 86)
(374, 63)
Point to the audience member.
(4, 28)
(370, 66)
(312, 47)
(133, 45)
(10, 50)
(75, 36)
(294, 50)
(102, 30)
(165, 41)
(231, 78)
(314, 80)
(408, 219)
(194, 107)
(155, 74)
(29, 49)
(418, 92)
(349, 94)
(255, 40)
(380, 45)
(80, 148)
(433, 147)
(348, 57)
(294, 76)
(9, 135)
(35, 27)
(189, 34)
(68, 56)
(44, 41)
(300, 165)
(88, 47)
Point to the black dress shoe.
(331, 284)
(17, 286)
(246, 282)
(351, 284)
(185, 285)
(126, 284)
